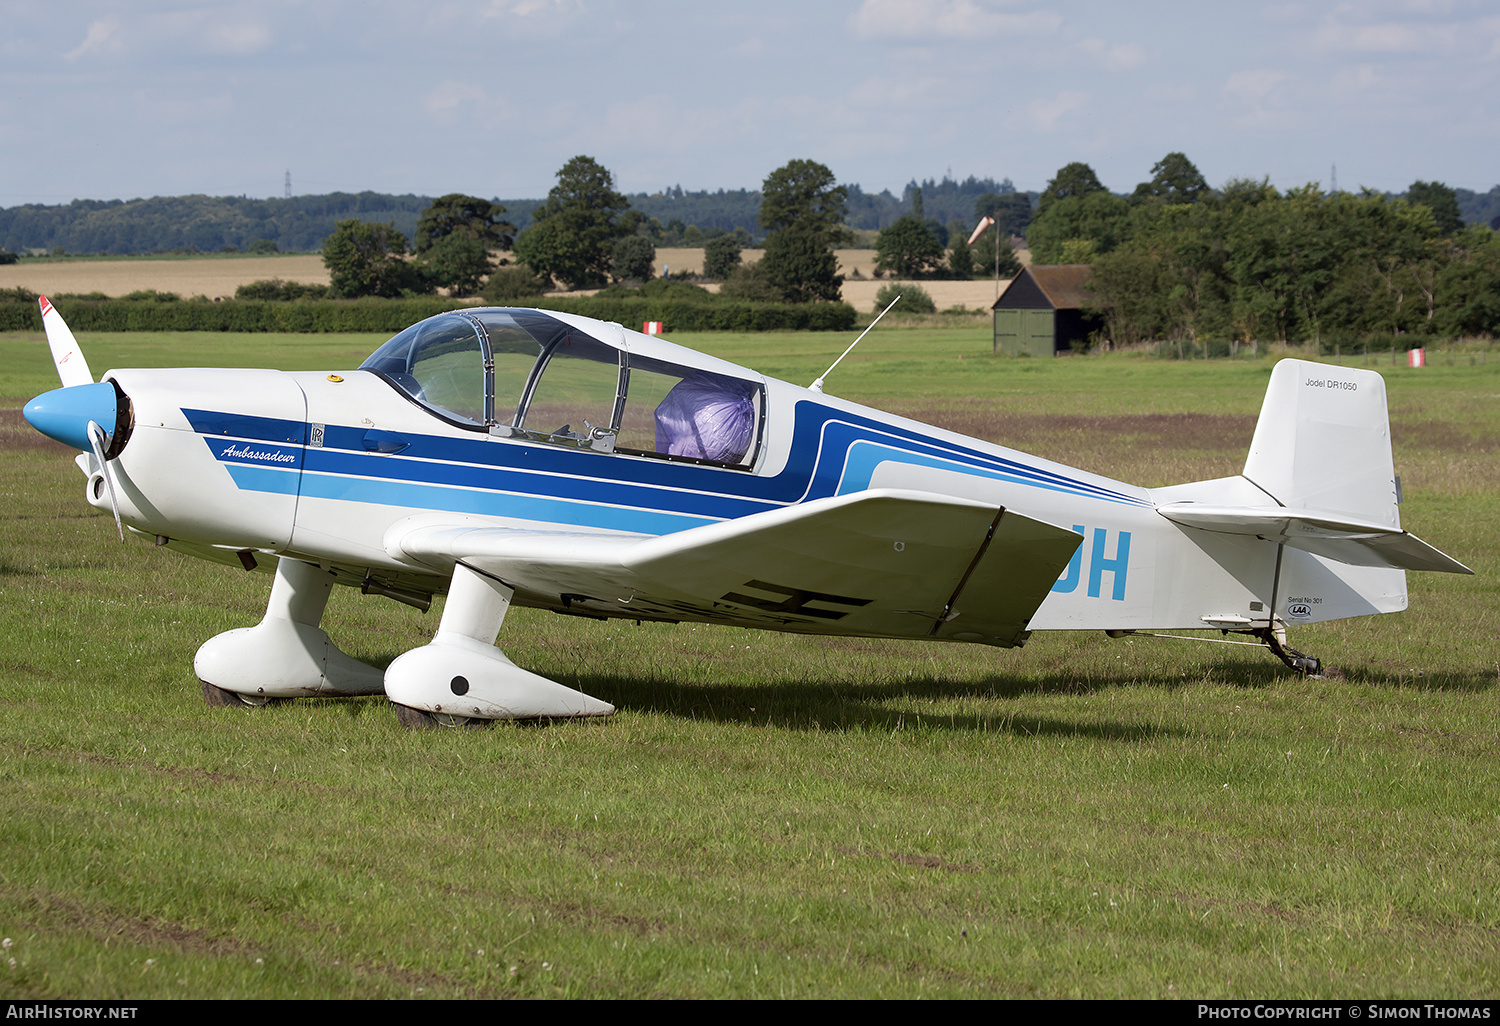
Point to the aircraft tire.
(420, 719)
(222, 698)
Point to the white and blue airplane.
(533, 457)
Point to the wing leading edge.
(884, 562)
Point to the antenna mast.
(817, 386)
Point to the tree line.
(203, 224)
(213, 224)
(1179, 260)
(586, 235)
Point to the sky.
(119, 100)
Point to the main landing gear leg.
(461, 676)
(286, 655)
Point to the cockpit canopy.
(523, 373)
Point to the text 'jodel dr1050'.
(522, 456)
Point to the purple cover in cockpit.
(707, 417)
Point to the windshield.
(525, 374)
(469, 367)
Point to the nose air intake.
(64, 414)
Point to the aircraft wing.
(885, 562)
(1338, 536)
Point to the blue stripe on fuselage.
(864, 456)
(238, 425)
(832, 453)
(542, 508)
(264, 479)
(584, 481)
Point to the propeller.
(72, 368)
(97, 438)
(76, 413)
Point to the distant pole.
(287, 187)
(997, 260)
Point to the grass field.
(767, 815)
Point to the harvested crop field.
(971, 295)
(208, 276)
(219, 276)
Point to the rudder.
(1323, 442)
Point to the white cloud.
(237, 39)
(1122, 57)
(447, 97)
(751, 48)
(530, 8)
(102, 37)
(1357, 78)
(1386, 37)
(453, 102)
(1255, 84)
(1172, 92)
(152, 106)
(912, 20)
(901, 92)
(1045, 114)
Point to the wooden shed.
(1041, 311)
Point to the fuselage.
(328, 467)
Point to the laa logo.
(1299, 611)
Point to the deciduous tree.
(985, 255)
(1075, 179)
(801, 266)
(1011, 211)
(572, 235)
(1174, 179)
(1442, 201)
(961, 257)
(803, 208)
(366, 259)
(458, 262)
(1099, 217)
(633, 258)
(907, 249)
(720, 257)
(804, 195)
(455, 236)
(459, 214)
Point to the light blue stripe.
(522, 507)
(864, 457)
(263, 479)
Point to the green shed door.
(1024, 331)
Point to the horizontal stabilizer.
(1337, 536)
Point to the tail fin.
(1323, 442)
(1322, 456)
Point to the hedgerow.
(18, 313)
